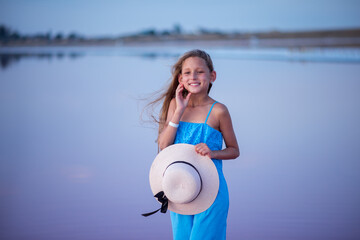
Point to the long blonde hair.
(169, 92)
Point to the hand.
(181, 102)
(203, 150)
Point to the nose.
(194, 75)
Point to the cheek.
(206, 79)
(183, 80)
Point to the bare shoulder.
(173, 101)
(220, 110)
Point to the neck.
(199, 100)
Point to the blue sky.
(114, 17)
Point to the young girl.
(189, 115)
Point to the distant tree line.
(9, 35)
(177, 30)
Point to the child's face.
(196, 76)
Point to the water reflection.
(7, 59)
(12, 55)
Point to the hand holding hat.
(183, 181)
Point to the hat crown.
(203, 165)
(181, 182)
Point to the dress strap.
(210, 111)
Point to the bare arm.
(232, 149)
(176, 110)
(167, 135)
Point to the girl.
(189, 115)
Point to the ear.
(212, 76)
(180, 78)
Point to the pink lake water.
(75, 156)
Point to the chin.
(196, 90)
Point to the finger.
(203, 147)
(203, 151)
(179, 88)
(200, 151)
(179, 91)
(200, 146)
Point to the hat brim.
(205, 167)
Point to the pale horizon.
(114, 18)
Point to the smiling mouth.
(194, 84)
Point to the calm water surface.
(75, 157)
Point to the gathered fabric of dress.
(210, 224)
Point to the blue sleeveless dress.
(210, 224)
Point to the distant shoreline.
(299, 39)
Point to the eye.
(186, 73)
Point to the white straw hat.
(183, 181)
